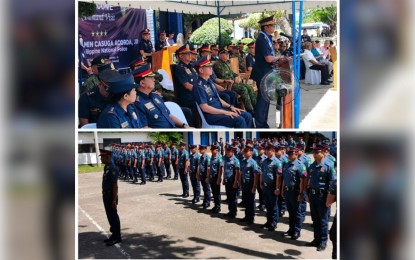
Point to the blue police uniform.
(183, 158)
(114, 116)
(194, 163)
(147, 47)
(141, 170)
(263, 47)
(321, 175)
(302, 143)
(333, 150)
(185, 74)
(333, 229)
(109, 178)
(152, 111)
(133, 170)
(306, 160)
(216, 164)
(167, 162)
(284, 143)
(292, 173)
(271, 167)
(123, 158)
(204, 164)
(259, 160)
(249, 168)
(250, 60)
(90, 105)
(291, 143)
(174, 163)
(160, 45)
(282, 206)
(149, 164)
(205, 93)
(330, 159)
(159, 166)
(230, 165)
(228, 96)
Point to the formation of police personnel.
(111, 100)
(278, 169)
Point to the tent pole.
(220, 35)
(297, 101)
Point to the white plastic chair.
(176, 111)
(166, 82)
(89, 126)
(204, 123)
(312, 77)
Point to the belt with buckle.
(288, 188)
(318, 191)
(246, 180)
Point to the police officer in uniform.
(150, 106)
(141, 159)
(93, 80)
(301, 141)
(214, 55)
(271, 170)
(110, 197)
(264, 59)
(294, 176)
(158, 161)
(145, 46)
(214, 176)
(291, 142)
(175, 160)
(321, 174)
(249, 177)
(149, 163)
(331, 198)
(186, 76)
(162, 41)
(184, 168)
(215, 110)
(167, 159)
(91, 103)
(204, 164)
(306, 160)
(259, 160)
(250, 57)
(120, 113)
(194, 165)
(231, 171)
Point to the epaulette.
(111, 111)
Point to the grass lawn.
(90, 168)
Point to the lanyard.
(269, 42)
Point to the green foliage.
(86, 9)
(165, 137)
(188, 19)
(326, 15)
(253, 19)
(247, 40)
(208, 33)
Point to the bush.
(209, 35)
(224, 24)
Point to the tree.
(280, 16)
(162, 137)
(208, 33)
(86, 9)
(326, 15)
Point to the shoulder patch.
(111, 111)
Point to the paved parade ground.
(158, 223)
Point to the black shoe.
(270, 228)
(193, 201)
(321, 247)
(312, 243)
(176, 178)
(241, 204)
(266, 225)
(245, 219)
(213, 210)
(108, 239)
(197, 200)
(325, 83)
(250, 222)
(160, 180)
(114, 241)
(186, 196)
(282, 213)
(261, 208)
(295, 236)
(143, 183)
(230, 215)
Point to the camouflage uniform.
(90, 83)
(167, 94)
(223, 71)
(241, 64)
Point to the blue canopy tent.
(227, 7)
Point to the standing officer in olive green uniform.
(223, 71)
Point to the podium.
(163, 58)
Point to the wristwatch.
(229, 106)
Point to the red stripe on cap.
(138, 62)
(203, 63)
(142, 74)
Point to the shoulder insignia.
(111, 110)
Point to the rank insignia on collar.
(134, 116)
(157, 100)
(156, 116)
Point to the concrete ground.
(157, 222)
(318, 110)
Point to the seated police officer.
(186, 77)
(151, 108)
(120, 113)
(215, 110)
(91, 103)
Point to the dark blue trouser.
(320, 214)
(175, 169)
(281, 203)
(249, 198)
(333, 237)
(131, 171)
(149, 170)
(229, 97)
(112, 216)
(261, 194)
(271, 204)
(206, 190)
(232, 196)
(142, 172)
(303, 206)
(195, 185)
(184, 180)
(242, 121)
(294, 210)
(261, 110)
(168, 170)
(160, 172)
(215, 190)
